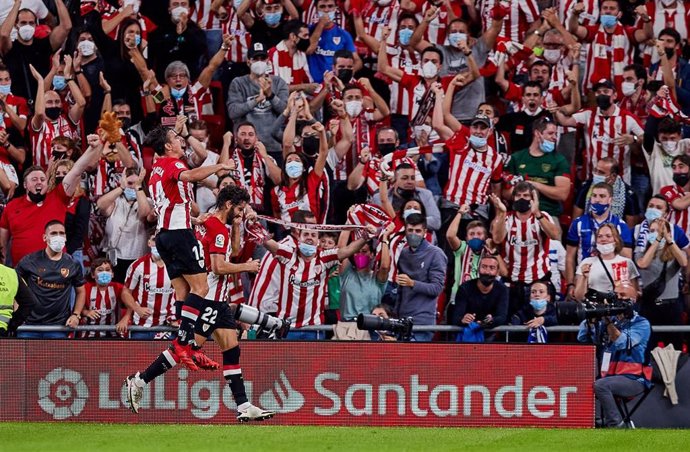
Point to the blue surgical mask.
(651, 236)
(272, 19)
(652, 214)
(454, 38)
(137, 40)
(154, 252)
(104, 278)
(177, 93)
(236, 4)
(5, 89)
(414, 240)
(331, 15)
(608, 20)
(294, 169)
(404, 35)
(477, 142)
(130, 194)
(307, 249)
(547, 146)
(598, 209)
(59, 82)
(475, 244)
(409, 212)
(538, 305)
(598, 178)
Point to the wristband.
(78, 72)
(78, 316)
(540, 218)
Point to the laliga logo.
(68, 386)
(289, 400)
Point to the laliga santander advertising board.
(318, 383)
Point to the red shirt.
(172, 198)
(26, 221)
(19, 106)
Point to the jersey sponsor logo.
(58, 388)
(179, 165)
(310, 283)
(220, 241)
(49, 284)
(529, 242)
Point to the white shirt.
(37, 6)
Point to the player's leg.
(136, 383)
(204, 327)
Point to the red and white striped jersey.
(408, 62)
(681, 218)
(239, 46)
(437, 28)
(42, 139)
(363, 135)
(172, 198)
(375, 18)
(600, 131)
(526, 248)
(294, 69)
(266, 288)
(303, 286)
(215, 239)
(415, 87)
(285, 200)
(523, 13)
(151, 288)
(590, 16)
(104, 300)
(471, 172)
(677, 17)
(107, 175)
(204, 16)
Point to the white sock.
(138, 381)
(244, 406)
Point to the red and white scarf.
(602, 64)
(257, 182)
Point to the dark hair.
(53, 223)
(98, 262)
(385, 309)
(222, 178)
(131, 171)
(292, 27)
(522, 187)
(124, 51)
(493, 107)
(532, 84)
(550, 289)
(415, 219)
(245, 124)
(332, 234)
(685, 159)
(615, 167)
(433, 49)
(639, 70)
(668, 125)
(3, 67)
(541, 123)
(31, 169)
(407, 15)
(417, 200)
(604, 186)
(350, 87)
(672, 32)
(118, 102)
(615, 1)
(236, 196)
(403, 166)
(662, 198)
(199, 124)
(476, 224)
(342, 53)
(301, 216)
(157, 139)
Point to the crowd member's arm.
(17, 121)
(273, 170)
(87, 160)
(320, 163)
(385, 262)
(549, 227)
(666, 69)
(26, 300)
(574, 26)
(39, 104)
(645, 33)
(356, 245)
(76, 111)
(81, 79)
(58, 35)
(290, 9)
(582, 281)
(289, 131)
(380, 105)
(417, 41)
(238, 105)
(344, 144)
(385, 199)
(6, 185)
(551, 16)
(206, 75)
(438, 117)
(131, 304)
(199, 151)
(534, 37)
(114, 22)
(244, 14)
(498, 226)
(365, 37)
(501, 79)
(17, 154)
(384, 67)
(7, 26)
(225, 150)
(107, 94)
(563, 115)
(316, 34)
(79, 301)
(436, 276)
(452, 232)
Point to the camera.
(269, 327)
(596, 306)
(401, 328)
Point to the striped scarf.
(601, 64)
(256, 183)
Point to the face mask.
(476, 244)
(87, 48)
(606, 248)
(406, 194)
(273, 19)
(669, 146)
(57, 243)
(294, 169)
(522, 205)
(429, 70)
(386, 148)
(603, 101)
(104, 278)
(670, 53)
(53, 113)
(26, 32)
(608, 20)
(414, 240)
(154, 253)
(303, 44)
(384, 2)
(598, 178)
(5, 89)
(177, 93)
(681, 179)
(651, 236)
(486, 280)
(538, 305)
(130, 194)
(331, 15)
(667, 2)
(59, 82)
(477, 142)
(628, 88)
(552, 55)
(423, 129)
(599, 209)
(177, 13)
(345, 75)
(353, 108)
(59, 179)
(652, 214)
(362, 261)
(137, 40)
(455, 38)
(36, 197)
(409, 212)
(311, 145)
(404, 35)
(547, 146)
(259, 68)
(237, 3)
(126, 122)
(307, 249)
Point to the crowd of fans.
(512, 154)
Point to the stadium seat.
(622, 405)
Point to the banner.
(309, 383)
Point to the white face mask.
(628, 88)
(57, 243)
(259, 68)
(87, 48)
(668, 2)
(26, 32)
(135, 4)
(423, 129)
(607, 248)
(388, 2)
(429, 70)
(353, 108)
(177, 12)
(552, 55)
(669, 146)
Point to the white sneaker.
(134, 393)
(253, 413)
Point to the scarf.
(538, 335)
(472, 333)
(606, 65)
(257, 182)
(661, 107)
(618, 201)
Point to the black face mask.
(59, 179)
(603, 101)
(386, 148)
(310, 145)
(521, 205)
(53, 113)
(681, 179)
(36, 197)
(126, 122)
(345, 75)
(406, 194)
(486, 280)
(302, 44)
(59, 155)
(670, 53)
(247, 152)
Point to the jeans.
(616, 385)
(422, 336)
(142, 335)
(640, 184)
(305, 335)
(41, 335)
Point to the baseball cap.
(604, 83)
(481, 119)
(257, 49)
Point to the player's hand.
(404, 280)
(252, 266)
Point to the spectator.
(678, 194)
(104, 299)
(18, 301)
(663, 141)
(540, 313)
(289, 60)
(52, 275)
(421, 274)
(266, 26)
(519, 125)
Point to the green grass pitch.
(54, 437)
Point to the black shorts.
(181, 252)
(214, 315)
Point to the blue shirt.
(582, 234)
(332, 40)
(642, 229)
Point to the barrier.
(309, 383)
